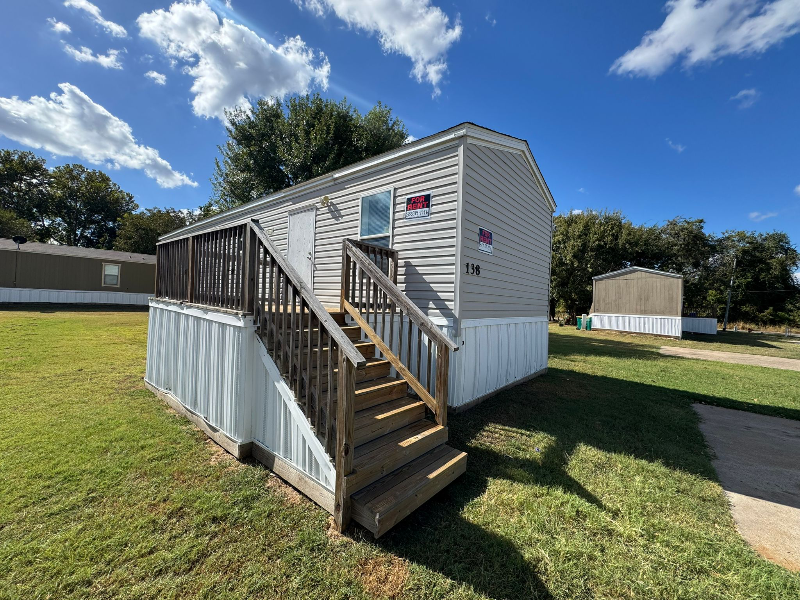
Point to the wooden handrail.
(311, 301)
(399, 298)
(371, 305)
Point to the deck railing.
(375, 302)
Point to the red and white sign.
(418, 207)
(485, 240)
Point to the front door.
(301, 242)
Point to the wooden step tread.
(377, 391)
(384, 503)
(385, 454)
(373, 422)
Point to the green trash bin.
(589, 324)
(579, 323)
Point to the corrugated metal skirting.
(29, 295)
(214, 365)
(654, 325)
(699, 325)
(492, 354)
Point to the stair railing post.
(345, 280)
(345, 417)
(442, 374)
(249, 273)
(190, 291)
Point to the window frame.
(103, 274)
(367, 238)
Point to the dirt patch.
(335, 536)
(221, 457)
(284, 490)
(383, 576)
(756, 360)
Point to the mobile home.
(327, 328)
(47, 273)
(639, 300)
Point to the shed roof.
(613, 274)
(466, 130)
(113, 255)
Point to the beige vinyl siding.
(501, 195)
(426, 247)
(639, 293)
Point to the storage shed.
(640, 300)
(71, 275)
(350, 311)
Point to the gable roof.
(76, 251)
(466, 130)
(613, 274)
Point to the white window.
(111, 275)
(376, 218)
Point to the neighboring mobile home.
(49, 273)
(414, 281)
(642, 300)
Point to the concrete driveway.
(773, 362)
(758, 464)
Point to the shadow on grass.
(738, 339)
(648, 422)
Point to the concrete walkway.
(790, 364)
(758, 464)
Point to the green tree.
(86, 207)
(139, 232)
(25, 190)
(274, 144)
(11, 225)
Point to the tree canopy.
(595, 242)
(139, 232)
(274, 144)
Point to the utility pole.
(730, 291)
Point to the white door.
(301, 243)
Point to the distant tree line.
(765, 289)
(76, 206)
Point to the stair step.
(383, 504)
(384, 418)
(377, 391)
(381, 456)
(367, 349)
(376, 368)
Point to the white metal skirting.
(652, 324)
(214, 365)
(492, 354)
(699, 325)
(30, 295)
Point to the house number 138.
(472, 269)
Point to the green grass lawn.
(724, 341)
(592, 481)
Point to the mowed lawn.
(592, 481)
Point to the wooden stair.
(401, 458)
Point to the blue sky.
(685, 108)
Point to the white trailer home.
(327, 328)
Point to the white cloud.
(582, 190)
(413, 28)
(490, 19)
(677, 147)
(108, 61)
(747, 98)
(158, 78)
(797, 190)
(73, 125)
(112, 28)
(229, 62)
(58, 26)
(757, 217)
(576, 211)
(704, 31)
(410, 138)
